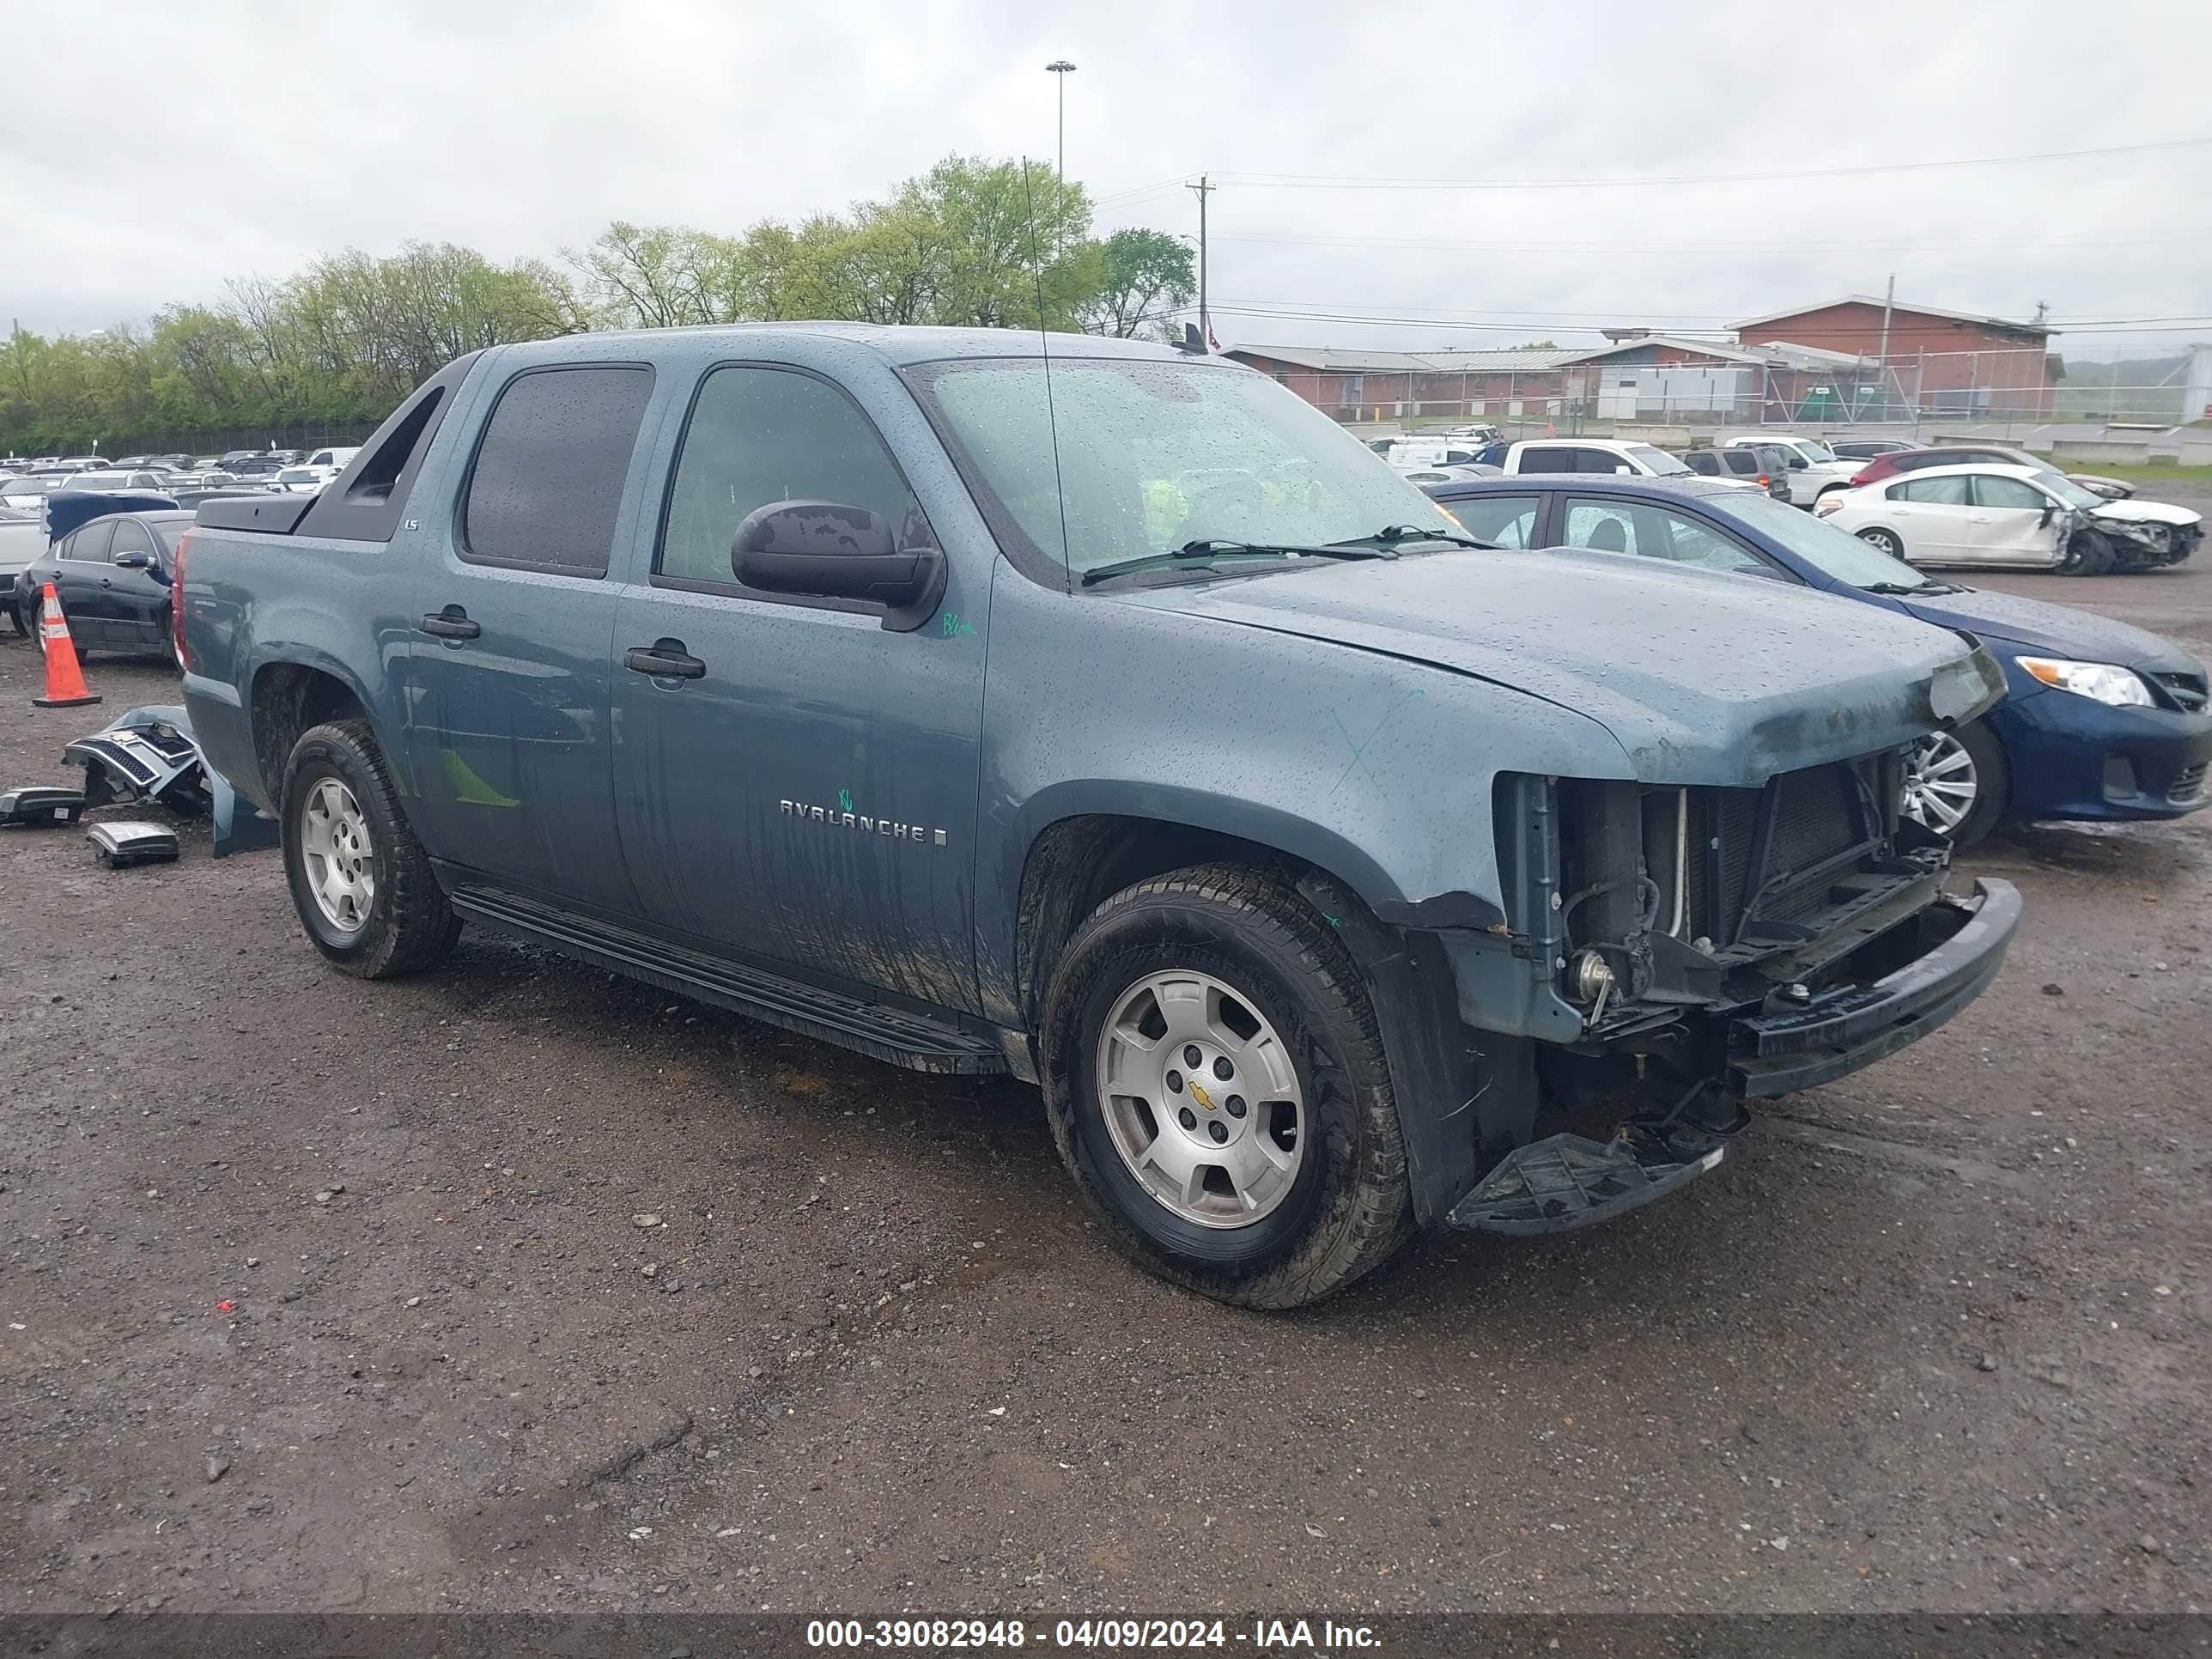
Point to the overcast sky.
(243, 138)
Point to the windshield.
(2067, 490)
(1657, 462)
(298, 475)
(1833, 552)
(1153, 455)
(1813, 450)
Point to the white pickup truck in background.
(1612, 457)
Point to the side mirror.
(825, 550)
(1623, 469)
(1797, 463)
(2049, 509)
(134, 562)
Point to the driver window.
(758, 436)
(2008, 492)
(130, 537)
(1601, 527)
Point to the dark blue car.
(2102, 721)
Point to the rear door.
(507, 735)
(82, 579)
(1932, 514)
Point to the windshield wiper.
(1903, 587)
(1390, 535)
(1197, 553)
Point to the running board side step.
(1566, 1181)
(894, 1035)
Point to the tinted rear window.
(547, 480)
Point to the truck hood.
(2036, 626)
(1700, 677)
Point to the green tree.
(1148, 275)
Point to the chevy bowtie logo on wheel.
(860, 822)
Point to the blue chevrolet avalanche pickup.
(1103, 714)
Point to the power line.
(1326, 181)
(2198, 240)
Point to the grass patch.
(2155, 472)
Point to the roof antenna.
(1191, 342)
(1051, 413)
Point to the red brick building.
(1941, 361)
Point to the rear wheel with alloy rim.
(1956, 783)
(1888, 540)
(360, 882)
(1217, 1086)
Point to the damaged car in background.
(2012, 517)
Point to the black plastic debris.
(120, 843)
(41, 808)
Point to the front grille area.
(2188, 785)
(2187, 692)
(1771, 855)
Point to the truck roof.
(897, 344)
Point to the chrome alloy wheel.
(1941, 784)
(341, 863)
(1201, 1099)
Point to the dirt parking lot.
(514, 1286)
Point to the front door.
(508, 668)
(134, 604)
(2011, 521)
(804, 790)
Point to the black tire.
(1888, 540)
(21, 613)
(408, 925)
(2088, 554)
(1992, 786)
(1347, 1208)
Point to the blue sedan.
(2102, 721)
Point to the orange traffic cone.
(65, 686)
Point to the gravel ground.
(514, 1286)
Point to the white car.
(1458, 473)
(1815, 470)
(336, 459)
(1405, 453)
(301, 480)
(2015, 516)
(1614, 458)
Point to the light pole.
(1063, 69)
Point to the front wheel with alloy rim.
(1216, 1086)
(360, 882)
(1888, 540)
(1956, 783)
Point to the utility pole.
(1061, 69)
(1888, 300)
(1205, 322)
